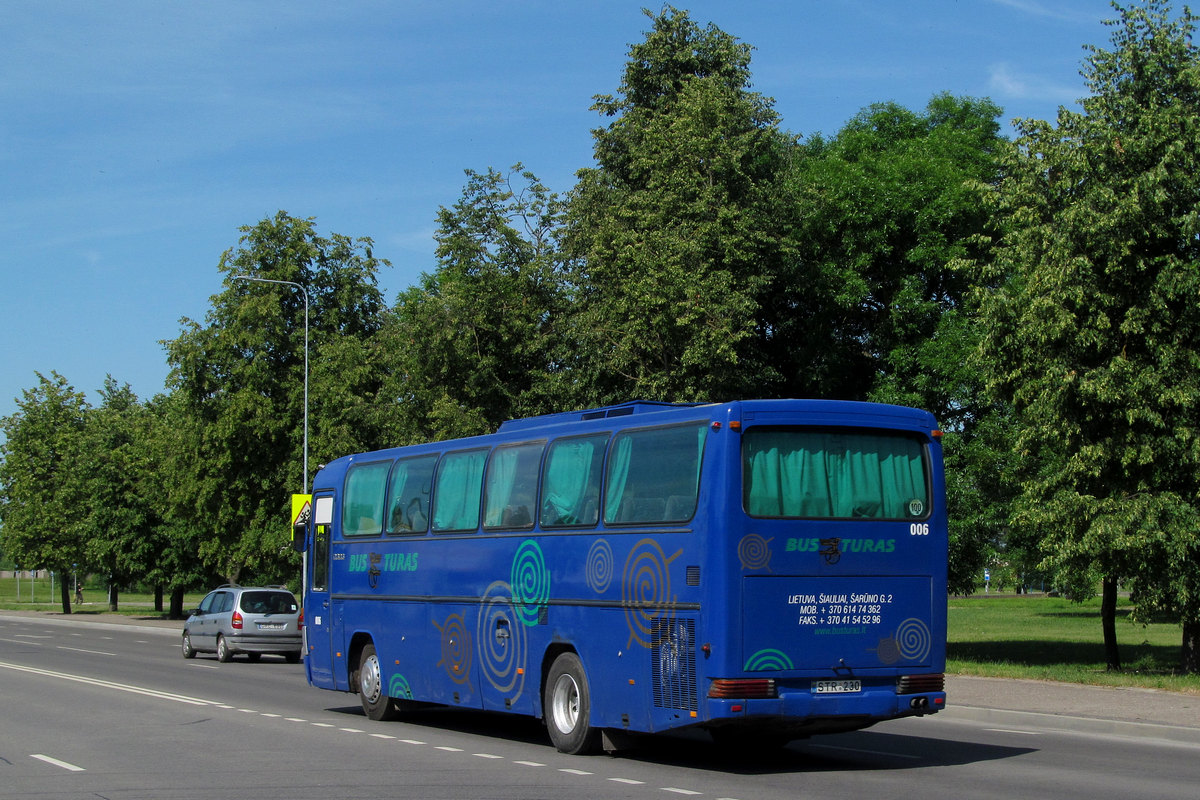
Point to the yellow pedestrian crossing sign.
(301, 512)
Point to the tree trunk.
(65, 594)
(158, 594)
(112, 597)
(177, 604)
(1108, 620)
(1191, 647)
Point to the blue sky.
(137, 137)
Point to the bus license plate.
(836, 687)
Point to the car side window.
(226, 602)
(206, 605)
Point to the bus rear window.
(833, 474)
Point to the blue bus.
(764, 569)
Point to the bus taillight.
(742, 688)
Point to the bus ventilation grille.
(672, 647)
(916, 684)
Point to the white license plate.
(271, 626)
(836, 687)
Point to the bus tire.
(375, 704)
(568, 706)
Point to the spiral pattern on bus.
(754, 552)
(398, 687)
(456, 648)
(768, 660)
(913, 639)
(646, 589)
(599, 566)
(500, 640)
(530, 582)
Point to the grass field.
(36, 595)
(1050, 638)
(1031, 636)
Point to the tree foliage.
(240, 377)
(672, 237)
(477, 341)
(1093, 339)
(43, 499)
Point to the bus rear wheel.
(375, 704)
(568, 707)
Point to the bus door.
(318, 624)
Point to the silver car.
(245, 619)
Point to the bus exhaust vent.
(674, 655)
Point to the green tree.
(871, 305)
(176, 566)
(476, 342)
(239, 383)
(118, 522)
(673, 237)
(42, 496)
(1093, 339)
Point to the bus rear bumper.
(814, 714)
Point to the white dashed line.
(679, 791)
(449, 749)
(57, 763)
(576, 772)
(486, 755)
(529, 763)
(629, 781)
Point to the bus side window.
(409, 489)
(571, 481)
(457, 491)
(362, 503)
(654, 475)
(511, 486)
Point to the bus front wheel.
(568, 707)
(375, 704)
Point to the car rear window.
(268, 603)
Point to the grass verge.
(1050, 638)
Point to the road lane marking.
(629, 781)
(1010, 730)
(57, 763)
(679, 791)
(866, 752)
(178, 698)
(81, 650)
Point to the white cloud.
(1007, 83)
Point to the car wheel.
(376, 705)
(188, 651)
(223, 651)
(567, 705)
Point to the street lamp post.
(304, 291)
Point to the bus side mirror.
(299, 532)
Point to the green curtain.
(571, 483)
(459, 486)
(833, 474)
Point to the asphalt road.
(112, 711)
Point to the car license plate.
(271, 626)
(836, 687)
